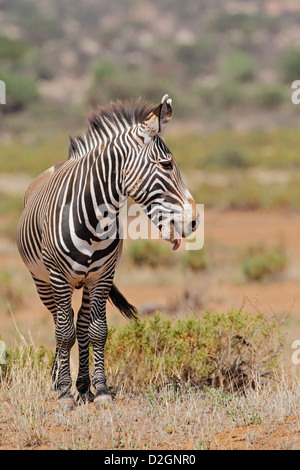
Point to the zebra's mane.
(108, 122)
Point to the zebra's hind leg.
(45, 292)
(83, 382)
(65, 336)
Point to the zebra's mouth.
(170, 233)
(175, 237)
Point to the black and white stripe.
(69, 235)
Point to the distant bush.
(289, 65)
(261, 262)
(232, 350)
(111, 82)
(238, 66)
(228, 157)
(247, 23)
(225, 95)
(197, 57)
(11, 49)
(104, 69)
(195, 260)
(149, 253)
(269, 96)
(20, 91)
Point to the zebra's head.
(152, 178)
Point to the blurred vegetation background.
(228, 65)
(225, 63)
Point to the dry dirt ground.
(218, 289)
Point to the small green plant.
(289, 64)
(239, 66)
(36, 358)
(269, 96)
(20, 91)
(11, 49)
(149, 253)
(261, 262)
(195, 260)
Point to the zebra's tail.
(119, 301)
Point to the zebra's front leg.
(83, 381)
(98, 335)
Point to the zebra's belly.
(87, 263)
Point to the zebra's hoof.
(102, 399)
(66, 402)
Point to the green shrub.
(228, 157)
(195, 260)
(20, 91)
(198, 56)
(290, 65)
(11, 49)
(269, 96)
(230, 350)
(36, 358)
(150, 253)
(238, 66)
(261, 262)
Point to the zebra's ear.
(165, 111)
(155, 122)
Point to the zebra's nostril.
(193, 225)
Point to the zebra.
(65, 244)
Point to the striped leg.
(98, 334)
(83, 381)
(65, 335)
(46, 295)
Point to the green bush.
(261, 262)
(232, 350)
(238, 66)
(197, 57)
(290, 65)
(228, 157)
(11, 49)
(150, 253)
(36, 358)
(20, 91)
(195, 260)
(269, 96)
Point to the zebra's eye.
(166, 164)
